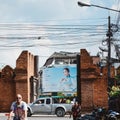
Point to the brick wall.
(16, 81)
(100, 96)
(24, 70)
(7, 88)
(86, 94)
(93, 84)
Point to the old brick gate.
(24, 79)
(92, 81)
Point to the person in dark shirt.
(76, 110)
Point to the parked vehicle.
(97, 114)
(101, 114)
(113, 115)
(49, 105)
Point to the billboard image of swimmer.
(59, 79)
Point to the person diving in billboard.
(68, 83)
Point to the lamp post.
(81, 4)
(109, 35)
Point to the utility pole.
(109, 35)
(78, 79)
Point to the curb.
(4, 114)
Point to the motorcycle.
(113, 115)
(97, 114)
(101, 114)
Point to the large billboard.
(59, 79)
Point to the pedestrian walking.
(76, 110)
(19, 108)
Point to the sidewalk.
(3, 114)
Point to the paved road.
(49, 118)
(42, 117)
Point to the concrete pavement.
(39, 117)
(3, 114)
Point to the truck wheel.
(60, 112)
(29, 113)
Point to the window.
(41, 101)
(62, 61)
(55, 100)
(47, 101)
(73, 61)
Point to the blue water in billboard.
(59, 79)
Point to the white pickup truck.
(49, 105)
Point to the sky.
(46, 26)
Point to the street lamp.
(81, 4)
(109, 35)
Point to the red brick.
(16, 81)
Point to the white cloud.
(9, 57)
(50, 12)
